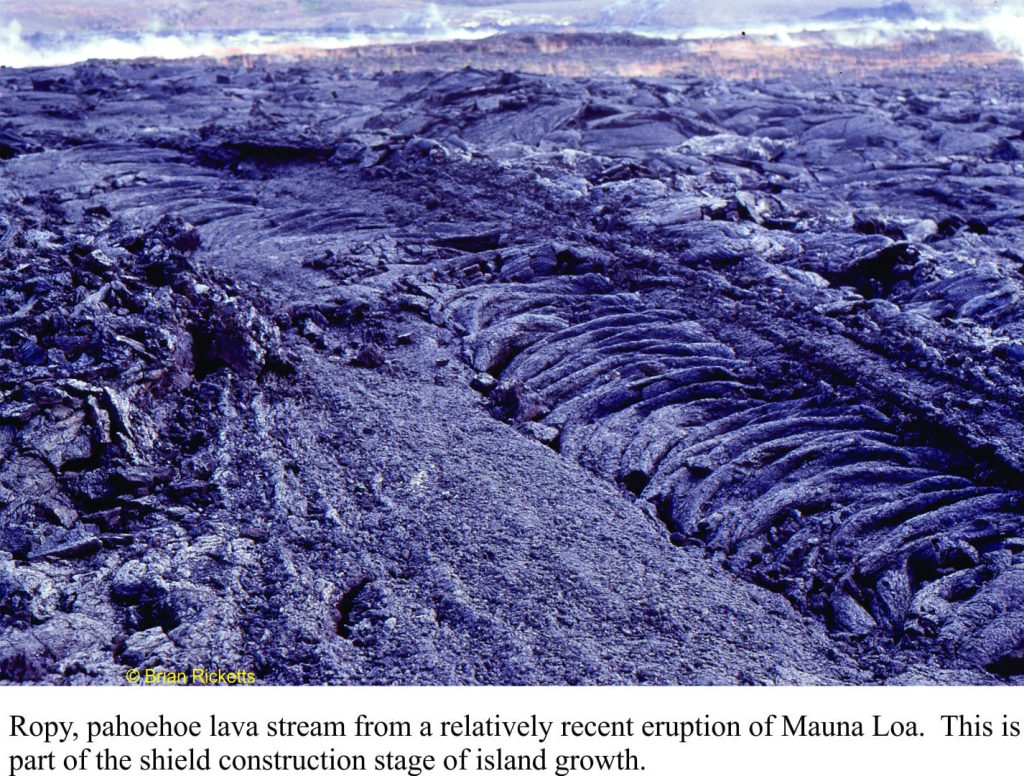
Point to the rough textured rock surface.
(488, 377)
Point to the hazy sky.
(76, 30)
(109, 15)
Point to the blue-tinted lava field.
(473, 376)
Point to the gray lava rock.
(768, 330)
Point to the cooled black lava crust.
(489, 377)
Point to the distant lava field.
(344, 373)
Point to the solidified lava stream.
(783, 317)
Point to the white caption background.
(751, 708)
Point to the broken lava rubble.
(480, 377)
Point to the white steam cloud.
(19, 50)
(1004, 24)
(1005, 27)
